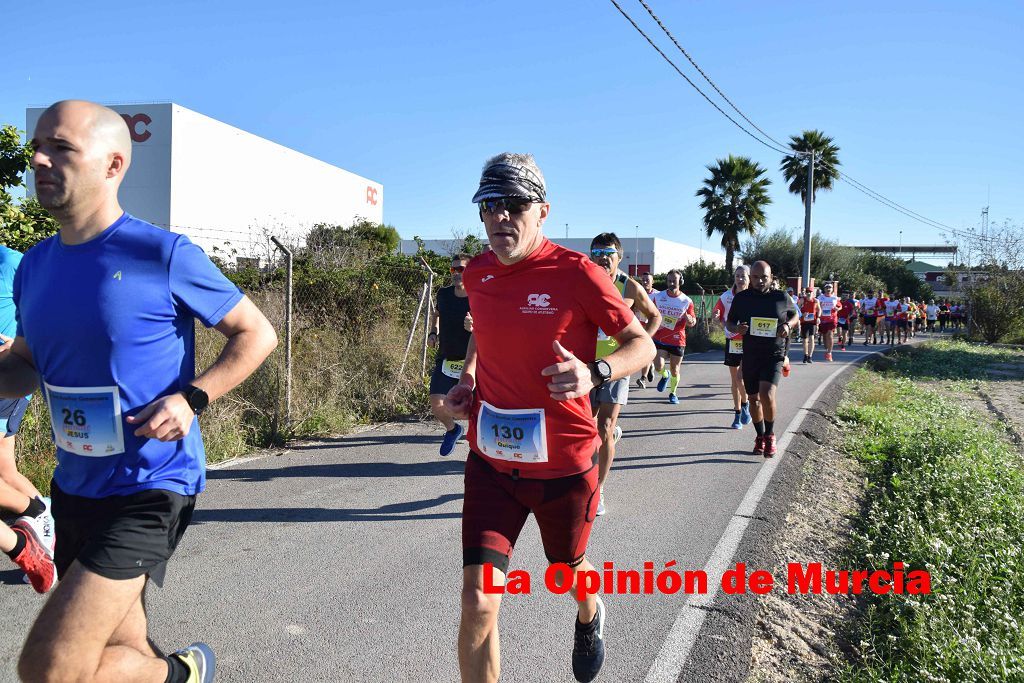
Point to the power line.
(779, 147)
(706, 77)
(692, 84)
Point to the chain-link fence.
(352, 347)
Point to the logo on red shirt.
(541, 300)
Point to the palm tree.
(826, 163)
(734, 199)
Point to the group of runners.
(883, 319)
(535, 347)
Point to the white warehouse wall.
(217, 184)
(663, 254)
(230, 185)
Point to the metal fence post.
(287, 336)
(412, 332)
(427, 313)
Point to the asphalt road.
(341, 560)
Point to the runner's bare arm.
(18, 376)
(460, 397)
(251, 338)
(433, 327)
(643, 305)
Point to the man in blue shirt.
(105, 328)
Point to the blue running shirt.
(9, 260)
(110, 327)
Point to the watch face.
(198, 399)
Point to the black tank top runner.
(451, 311)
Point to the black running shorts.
(120, 537)
(670, 349)
(440, 383)
(757, 369)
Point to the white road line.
(683, 634)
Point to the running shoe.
(828, 357)
(759, 445)
(199, 660)
(769, 445)
(34, 560)
(450, 437)
(640, 383)
(810, 359)
(616, 434)
(650, 375)
(737, 422)
(588, 646)
(42, 528)
(673, 399)
(662, 383)
(806, 359)
(745, 414)
(842, 347)
(600, 504)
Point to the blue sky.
(923, 98)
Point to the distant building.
(641, 255)
(226, 188)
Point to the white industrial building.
(643, 254)
(229, 190)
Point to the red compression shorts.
(496, 506)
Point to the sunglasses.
(458, 269)
(510, 204)
(603, 251)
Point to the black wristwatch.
(197, 398)
(602, 370)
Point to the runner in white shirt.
(734, 348)
(932, 311)
(677, 313)
(829, 316)
(892, 306)
(868, 308)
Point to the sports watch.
(197, 398)
(601, 370)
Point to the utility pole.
(901, 244)
(566, 231)
(807, 221)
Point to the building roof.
(922, 267)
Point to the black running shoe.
(588, 648)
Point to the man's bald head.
(103, 126)
(81, 153)
(760, 275)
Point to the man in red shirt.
(525, 389)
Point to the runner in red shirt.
(525, 388)
(810, 314)
(847, 320)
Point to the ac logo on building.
(371, 195)
(133, 126)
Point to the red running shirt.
(518, 311)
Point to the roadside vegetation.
(944, 493)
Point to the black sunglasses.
(458, 269)
(510, 204)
